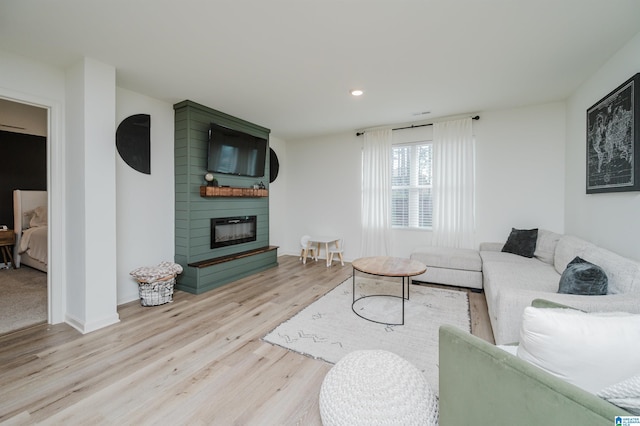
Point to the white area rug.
(328, 329)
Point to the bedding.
(31, 227)
(34, 243)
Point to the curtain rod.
(413, 126)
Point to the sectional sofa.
(511, 282)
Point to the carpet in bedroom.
(328, 329)
(23, 298)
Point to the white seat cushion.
(450, 266)
(450, 258)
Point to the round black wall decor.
(133, 141)
(274, 165)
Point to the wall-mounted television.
(235, 153)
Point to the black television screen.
(235, 153)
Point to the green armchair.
(482, 384)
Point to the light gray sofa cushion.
(623, 273)
(546, 246)
(567, 249)
(504, 273)
(450, 266)
(449, 258)
(497, 256)
(491, 246)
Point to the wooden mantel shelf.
(227, 191)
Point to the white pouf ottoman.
(375, 387)
(450, 266)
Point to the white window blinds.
(411, 189)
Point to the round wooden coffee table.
(386, 266)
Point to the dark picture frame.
(613, 147)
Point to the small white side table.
(323, 240)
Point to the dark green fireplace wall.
(193, 212)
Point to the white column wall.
(91, 289)
(75, 199)
(611, 219)
(145, 203)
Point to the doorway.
(24, 142)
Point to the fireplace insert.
(228, 231)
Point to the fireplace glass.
(228, 231)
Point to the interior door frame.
(55, 193)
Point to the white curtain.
(376, 192)
(453, 184)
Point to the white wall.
(520, 178)
(520, 170)
(25, 80)
(144, 203)
(139, 218)
(611, 219)
(25, 118)
(322, 181)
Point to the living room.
(546, 191)
(530, 173)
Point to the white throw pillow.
(589, 350)
(625, 394)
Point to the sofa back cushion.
(623, 274)
(546, 246)
(567, 249)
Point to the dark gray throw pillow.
(582, 277)
(521, 242)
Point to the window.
(411, 196)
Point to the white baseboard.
(88, 327)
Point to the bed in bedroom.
(30, 224)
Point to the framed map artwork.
(613, 131)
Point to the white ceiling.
(289, 64)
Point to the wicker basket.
(157, 292)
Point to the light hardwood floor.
(196, 361)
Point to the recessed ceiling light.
(357, 92)
(421, 113)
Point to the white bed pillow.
(26, 218)
(589, 350)
(37, 216)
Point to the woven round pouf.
(376, 387)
